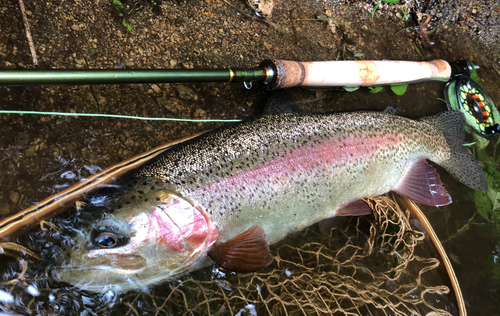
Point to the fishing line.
(119, 116)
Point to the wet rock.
(129, 142)
(14, 197)
(200, 114)
(188, 65)
(171, 104)
(31, 151)
(101, 100)
(262, 8)
(186, 93)
(155, 88)
(4, 209)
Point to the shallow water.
(40, 155)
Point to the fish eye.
(108, 240)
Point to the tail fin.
(461, 164)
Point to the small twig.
(496, 69)
(495, 148)
(467, 225)
(28, 33)
(418, 50)
(43, 223)
(16, 247)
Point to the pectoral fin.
(247, 252)
(422, 184)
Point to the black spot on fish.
(158, 199)
(140, 192)
(144, 183)
(152, 188)
(111, 210)
(127, 202)
(145, 200)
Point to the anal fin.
(422, 184)
(247, 252)
(356, 208)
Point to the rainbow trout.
(229, 193)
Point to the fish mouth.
(97, 273)
(125, 262)
(115, 262)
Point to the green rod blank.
(24, 77)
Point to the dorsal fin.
(247, 252)
(281, 101)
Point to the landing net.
(369, 265)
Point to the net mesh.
(346, 266)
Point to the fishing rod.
(462, 93)
(274, 74)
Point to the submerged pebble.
(6, 298)
(262, 8)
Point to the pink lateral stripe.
(327, 153)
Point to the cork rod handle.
(353, 72)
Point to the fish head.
(159, 237)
